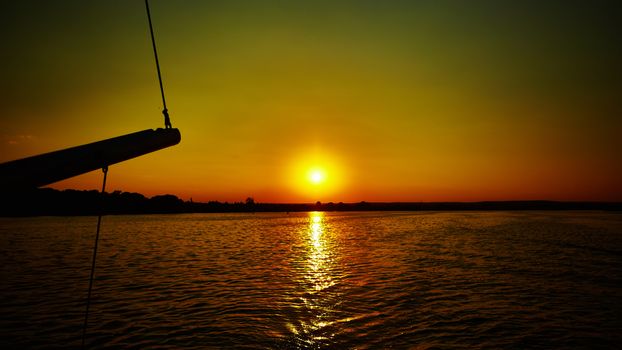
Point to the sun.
(317, 176)
(314, 175)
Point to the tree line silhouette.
(47, 201)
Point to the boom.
(44, 169)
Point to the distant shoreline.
(51, 202)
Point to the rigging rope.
(167, 125)
(99, 221)
(167, 120)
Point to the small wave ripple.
(316, 280)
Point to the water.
(316, 280)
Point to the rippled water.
(316, 280)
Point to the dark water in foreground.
(316, 280)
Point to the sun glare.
(316, 176)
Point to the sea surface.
(369, 280)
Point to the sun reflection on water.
(319, 263)
(317, 277)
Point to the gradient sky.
(395, 100)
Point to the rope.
(99, 221)
(167, 120)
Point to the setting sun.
(316, 176)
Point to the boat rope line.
(167, 125)
(167, 120)
(99, 221)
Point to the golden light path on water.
(320, 272)
(319, 263)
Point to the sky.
(299, 101)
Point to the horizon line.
(350, 202)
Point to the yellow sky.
(393, 101)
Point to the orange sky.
(393, 101)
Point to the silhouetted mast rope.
(167, 120)
(99, 221)
(167, 125)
